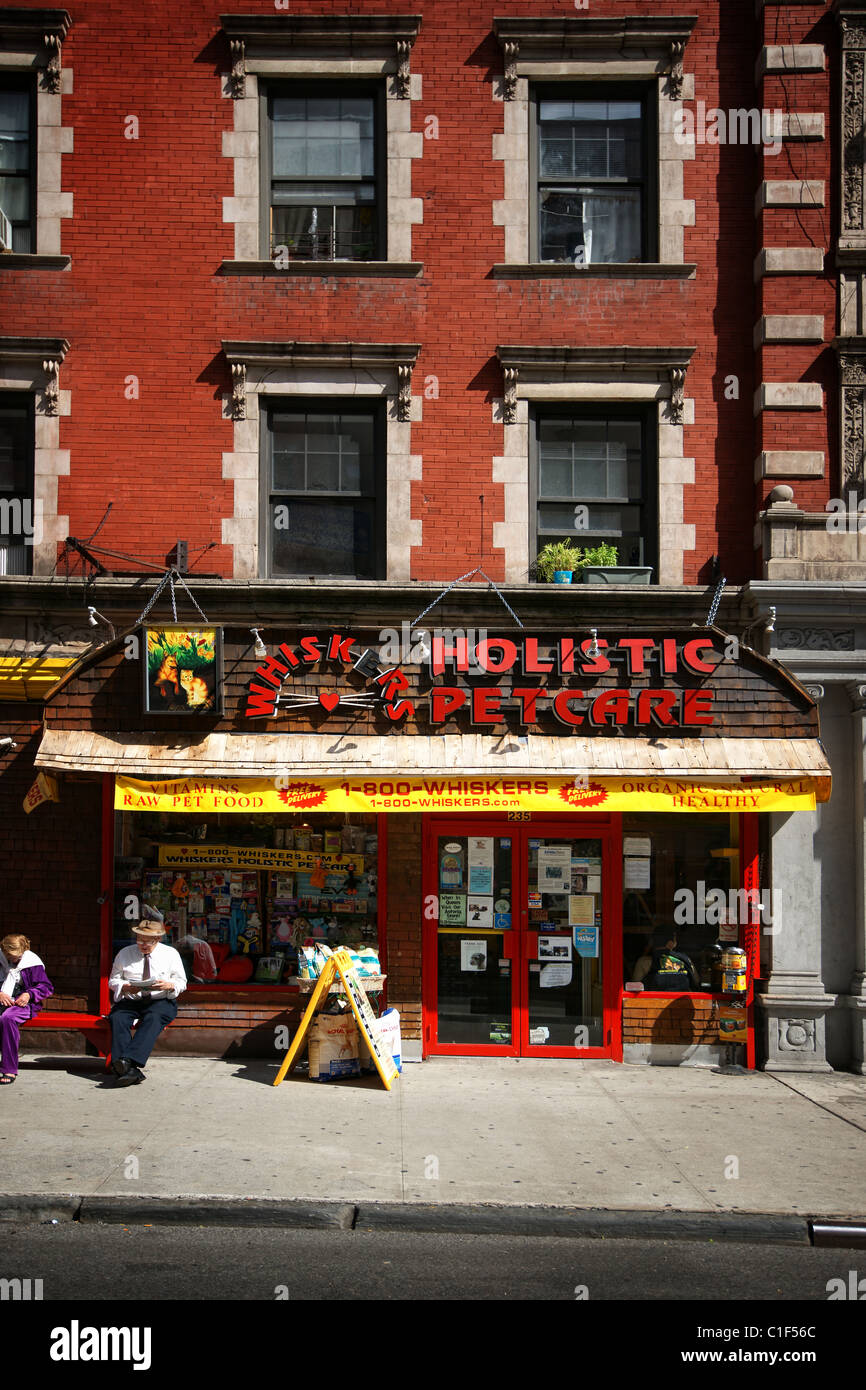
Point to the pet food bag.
(334, 1047)
(389, 1032)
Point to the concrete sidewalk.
(588, 1135)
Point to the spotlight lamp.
(260, 648)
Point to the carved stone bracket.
(857, 694)
(509, 410)
(678, 382)
(853, 97)
(676, 75)
(511, 52)
(404, 390)
(402, 78)
(51, 392)
(817, 692)
(239, 391)
(52, 79)
(238, 74)
(851, 353)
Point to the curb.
(585, 1224)
(423, 1218)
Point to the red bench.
(95, 1027)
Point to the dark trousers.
(153, 1015)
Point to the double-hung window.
(325, 479)
(326, 198)
(17, 506)
(592, 175)
(593, 481)
(17, 160)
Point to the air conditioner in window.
(5, 232)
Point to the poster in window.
(479, 911)
(473, 955)
(451, 866)
(182, 670)
(554, 868)
(452, 909)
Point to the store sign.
(45, 788)
(182, 670)
(194, 795)
(539, 682)
(240, 857)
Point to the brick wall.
(143, 295)
(49, 866)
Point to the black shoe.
(120, 1066)
(132, 1078)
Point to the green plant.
(558, 555)
(604, 556)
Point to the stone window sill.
(632, 270)
(21, 260)
(382, 269)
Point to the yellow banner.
(639, 793)
(241, 857)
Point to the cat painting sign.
(339, 965)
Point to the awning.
(28, 672)
(452, 772)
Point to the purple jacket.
(33, 979)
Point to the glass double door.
(515, 940)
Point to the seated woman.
(24, 986)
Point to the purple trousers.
(11, 1019)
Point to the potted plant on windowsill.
(557, 562)
(598, 566)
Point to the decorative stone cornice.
(643, 365)
(396, 358)
(40, 32)
(624, 39)
(388, 38)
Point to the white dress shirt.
(165, 964)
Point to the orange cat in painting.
(197, 693)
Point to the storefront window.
(681, 899)
(247, 899)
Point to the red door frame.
(606, 828)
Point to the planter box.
(616, 574)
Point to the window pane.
(322, 231)
(323, 136)
(315, 452)
(15, 198)
(324, 537)
(590, 139)
(590, 226)
(14, 132)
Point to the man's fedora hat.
(149, 930)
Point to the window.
(692, 904)
(325, 490)
(592, 481)
(593, 194)
(17, 121)
(16, 484)
(324, 203)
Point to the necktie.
(145, 974)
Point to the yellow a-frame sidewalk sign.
(340, 964)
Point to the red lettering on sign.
(393, 681)
(697, 707)
(636, 649)
(528, 697)
(272, 670)
(261, 700)
(340, 648)
(311, 649)
(594, 665)
(288, 655)
(507, 648)
(486, 701)
(669, 656)
(566, 656)
(655, 704)
(610, 702)
(532, 663)
(395, 712)
(441, 654)
(562, 706)
(444, 701)
(691, 658)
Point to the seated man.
(146, 979)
